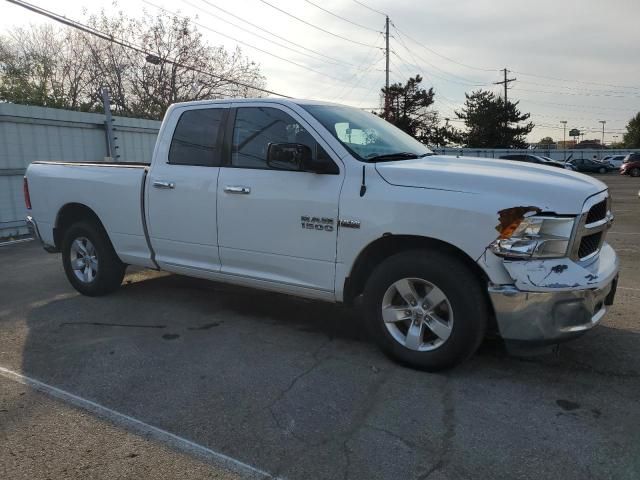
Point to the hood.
(550, 188)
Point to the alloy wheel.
(417, 314)
(84, 259)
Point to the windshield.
(366, 135)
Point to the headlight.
(535, 237)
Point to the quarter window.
(196, 138)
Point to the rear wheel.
(89, 261)
(426, 309)
(602, 170)
(635, 172)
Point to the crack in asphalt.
(361, 421)
(409, 445)
(449, 422)
(105, 324)
(317, 362)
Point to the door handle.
(159, 184)
(237, 189)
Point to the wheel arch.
(71, 213)
(382, 248)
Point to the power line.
(466, 81)
(257, 34)
(370, 8)
(97, 33)
(569, 87)
(299, 65)
(272, 34)
(576, 81)
(576, 119)
(539, 102)
(355, 85)
(315, 26)
(368, 59)
(421, 44)
(427, 73)
(341, 17)
(578, 93)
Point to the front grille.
(597, 212)
(589, 244)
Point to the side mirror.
(288, 156)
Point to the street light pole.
(564, 138)
(603, 122)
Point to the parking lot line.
(133, 424)
(13, 242)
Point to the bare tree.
(66, 68)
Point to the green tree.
(409, 107)
(632, 137)
(546, 141)
(492, 124)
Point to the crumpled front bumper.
(554, 300)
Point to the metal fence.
(31, 133)
(35, 133)
(561, 155)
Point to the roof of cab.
(280, 100)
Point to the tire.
(460, 319)
(635, 172)
(602, 170)
(87, 246)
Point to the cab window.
(196, 139)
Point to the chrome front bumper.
(560, 310)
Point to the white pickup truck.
(333, 203)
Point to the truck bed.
(113, 191)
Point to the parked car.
(631, 165)
(587, 165)
(333, 203)
(614, 160)
(533, 159)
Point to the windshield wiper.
(396, 156)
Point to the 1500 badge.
(317, 223)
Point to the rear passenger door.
(181, 189)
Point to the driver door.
(277, 225)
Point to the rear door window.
(197, 138)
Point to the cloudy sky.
(574, 60)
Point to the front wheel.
(89, 261)
(602, 170)
(426, 309)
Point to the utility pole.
(506, 83)
(386, 95)
(564, 138)
(108, 126)
(603, 122)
